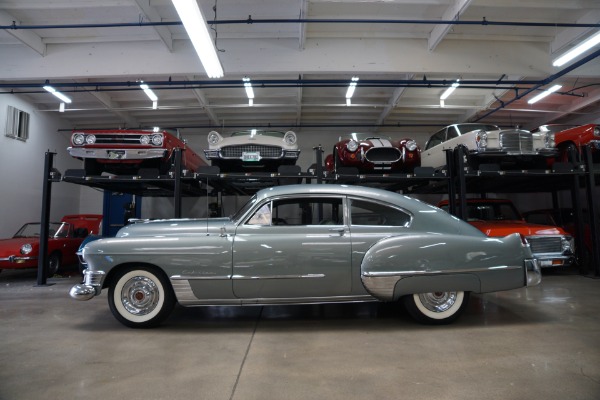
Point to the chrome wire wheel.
(141, 297)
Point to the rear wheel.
(436, 308)
(141, 297)
(53, 264)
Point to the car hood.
(173, 227)
(503, 228)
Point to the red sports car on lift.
(374, 153)
(125, 151)
(569, 138)
(64, 238)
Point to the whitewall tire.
(436, 308)
(140, 297)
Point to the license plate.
(251, 156)
(116, 155)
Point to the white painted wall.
(22, 167)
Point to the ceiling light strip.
(57, 94)
(195, 25)
(450, 90)
(577, 50)
(544, 94)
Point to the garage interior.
(300, 57)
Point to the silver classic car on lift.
(303, 244)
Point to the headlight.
(290, 138)
(565, 244)
(78, 139)
(214, 137)
(157, 139)
(90, 139)
(411, 145)
(144, 139)
(481, 139)
(597, 131)
(26, 249)
(352, 145)
(550, 140)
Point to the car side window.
(370, 213)
(262, 216)
(308, 211)
(452, 133)
(437, 138)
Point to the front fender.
(401, 265)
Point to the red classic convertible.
(374, 153)
(125, 151)
(22, 250)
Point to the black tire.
(436, 308)
(565, 152)
(140, 297)
(54, 262)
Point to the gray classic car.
(303, 244)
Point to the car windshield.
(363, 136)
(464, 128)
(55, 229)
(242, 211)
(492, 212)
(256, 132)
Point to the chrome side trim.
(198, 278)
(306, 276)
(381, 287)
(308, 300)
(454, 271)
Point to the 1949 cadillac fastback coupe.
(303, 244)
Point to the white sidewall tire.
(422, 314)
(161, 297)
(443, 314)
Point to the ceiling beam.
(201, 97)
(440, 31)
(570, 35)
(152, 15)
(302, 27)
(392, 102)
(113, 106)
(26, 37)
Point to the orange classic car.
(64, 238)
(125, 151)
(568, 138)
(552, 246)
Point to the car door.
(434, 155)
(293, 247)
(371, 221)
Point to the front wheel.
(436, 308)
(141, 297)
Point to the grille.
(124, 139)
(550, 244)
(516, 141)
(382, 154)
(265, 151)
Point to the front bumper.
(116, 154)
(18, 262)
(90, 287)
(533, 273)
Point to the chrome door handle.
(339, 231)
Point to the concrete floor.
(536, 343)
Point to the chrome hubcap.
(140, 295)
(438, 301)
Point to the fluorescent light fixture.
(58, 94)
(61, 107)
(544, 94)
(348, 101)
(578, 50)
(351, 88)
(449, 91)
(248, 87)
(249, 91)
(195, 25)
(148, 91)
(442, 103)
